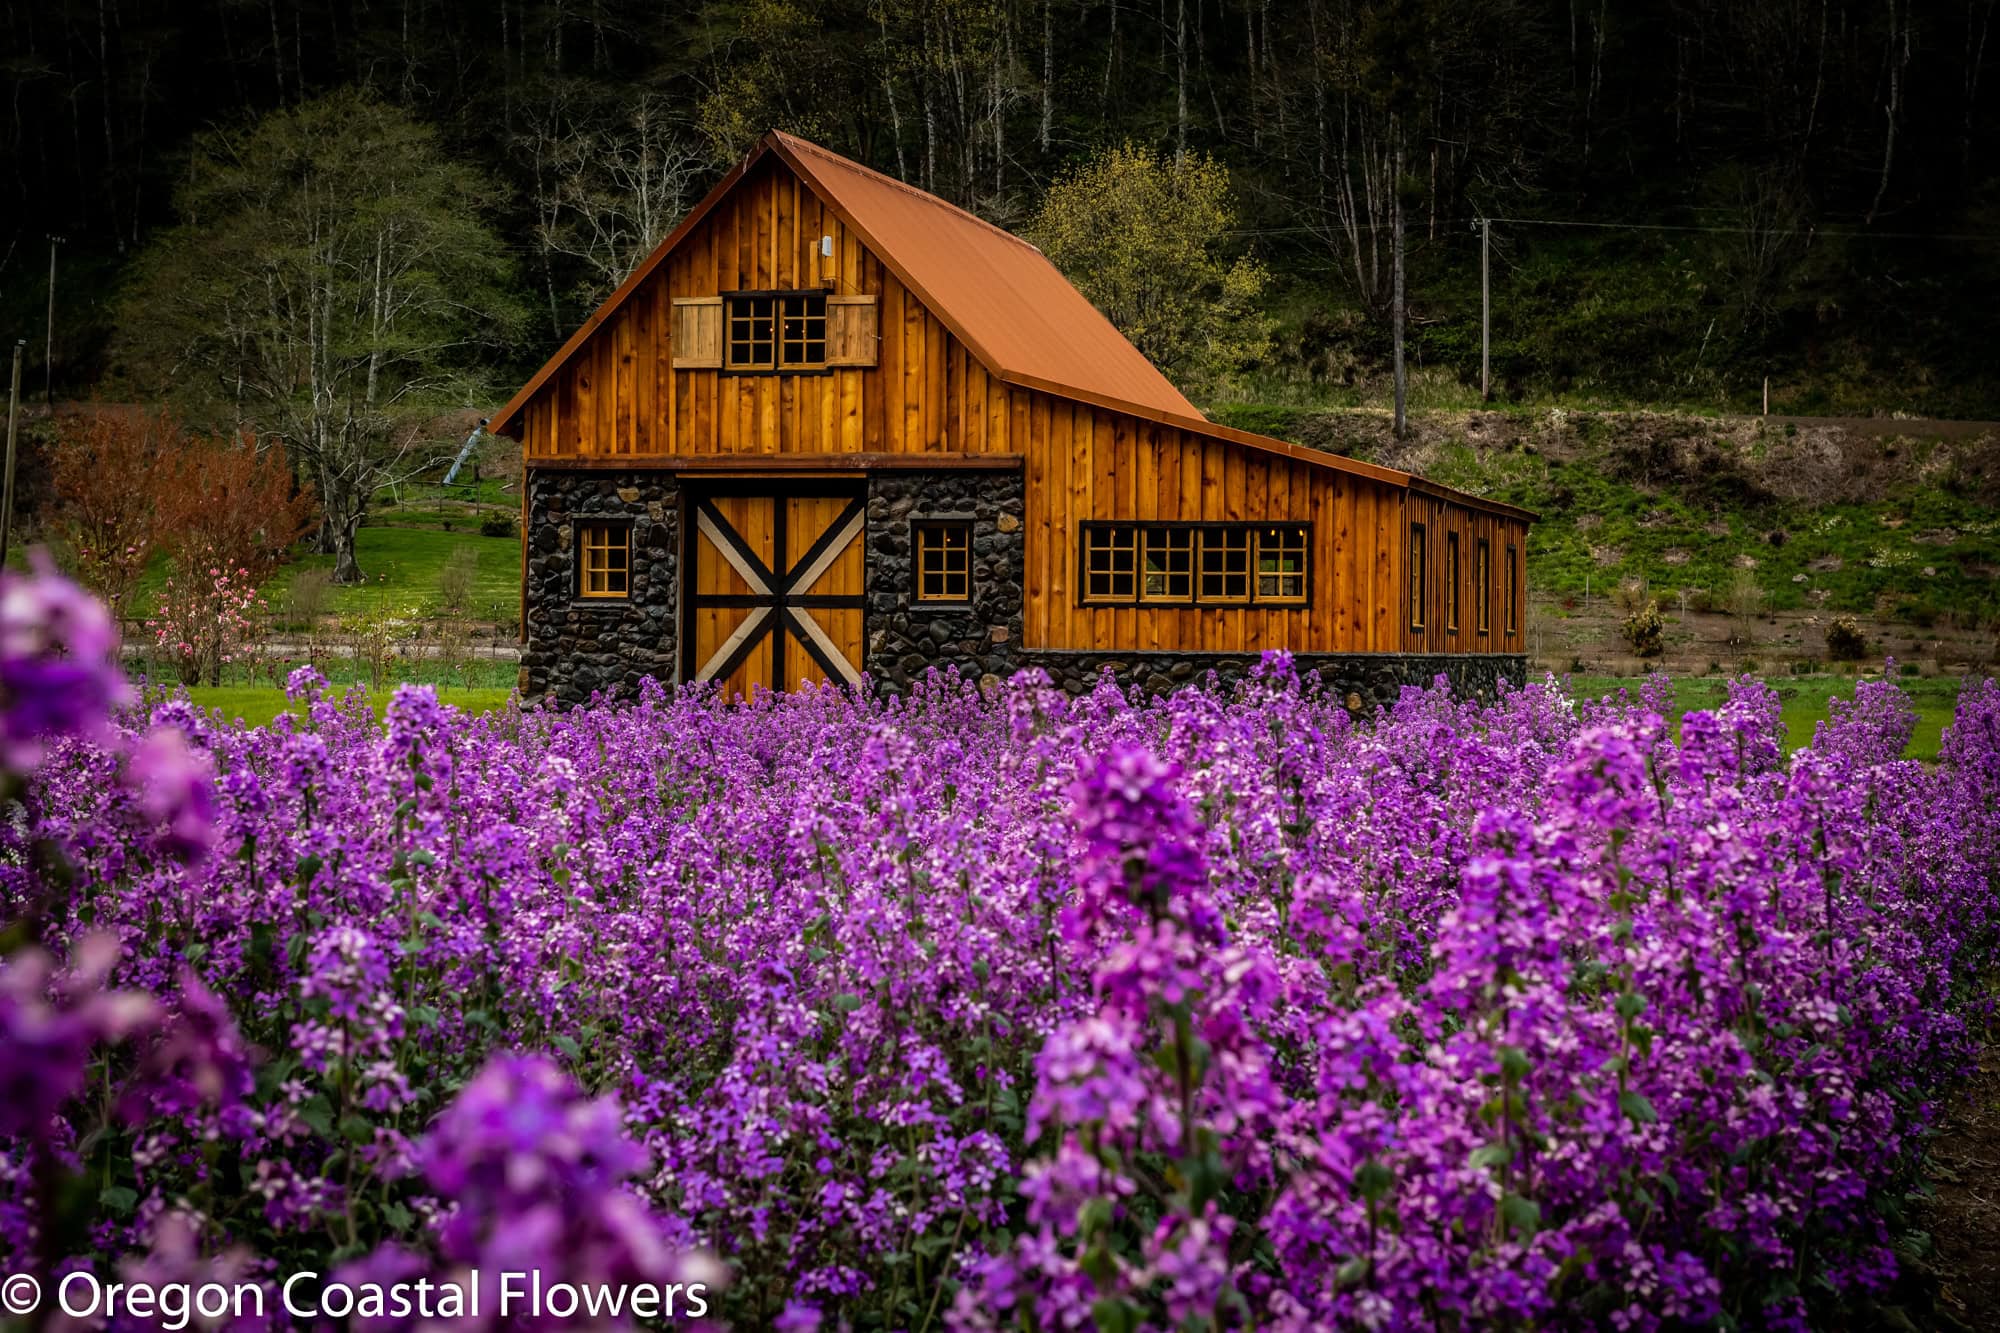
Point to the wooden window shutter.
(851, 337)
(697, 332)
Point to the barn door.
(774, 588)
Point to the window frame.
(618, 532)
(1419, 557)
(1196, 535)
(1482, 586)
(778, 364)
(1511, 602)
(1186, 548)
(1257, 574)
(1218, 533)
(1086, 571)
(920, 528)
(1451, 583)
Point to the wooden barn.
(834, 427)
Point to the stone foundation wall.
(1363, 679)
(982, 637)
(575, 647)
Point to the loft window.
(944, 562)
(1169, 567)
(1513, 571)
(1451, 581)
(604, 567)
(1225, 564)
(1281, 564)
(1419, 576)
(1110, 562)
(777, 331)
(1482, 586)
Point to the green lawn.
(257, 705)
(403, 567)
(1804, 700)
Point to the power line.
(1754, 231)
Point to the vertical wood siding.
(619, 397)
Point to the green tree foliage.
(331, 282)
(1147, 239)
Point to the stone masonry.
(576, 647)
(982, 637)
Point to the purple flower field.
(1222, 1011)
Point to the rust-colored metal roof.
(1006, 301)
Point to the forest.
(1688, 197)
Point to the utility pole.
(13, 420)
(49, 340)
(1486, 310)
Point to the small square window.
(1110, 562)
(1169, 565)
(1225, 564)
(776, 331)
(944, 561)
(604, 565)
(1281, 564)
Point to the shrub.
(1645, 630)
(497, 525)
(1844, 639)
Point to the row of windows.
(1152, 563)
(776, 331)
(1195, 564)
(1482, 582)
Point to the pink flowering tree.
(204, 617)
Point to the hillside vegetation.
(1742, 514)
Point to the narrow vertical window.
(1482, 586)
(1225, 564)
(802, 331)
(1419, 576)
(1513, 574)
(1168, 575)
(604, 566)
(944, 562)
(1451, 581)
(1110, 562)
(1281, 564)
(752, 334)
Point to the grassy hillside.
(1812, 516)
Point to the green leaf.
(1514, 1062)
(118, 1199)
(567, 1045)
(356, 1129)
(1492, 1155)
(1113, 1315)
(845, 1003)
(397, 1216)
(318, 1115)
(1631, 1004)
(1523, 1215)
(1372, 1180)
(1635, 1105)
